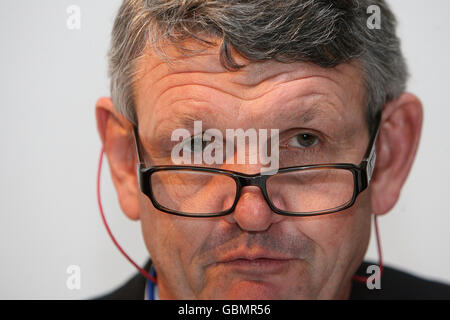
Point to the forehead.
(201, 76)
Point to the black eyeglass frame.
(362, 174)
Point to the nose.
(252, 213)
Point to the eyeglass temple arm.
(371, 154)
(136, 142)
(139, 164)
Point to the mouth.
(259, 263)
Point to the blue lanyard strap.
(151, 285)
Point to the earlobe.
(115, 133)
(397, 145)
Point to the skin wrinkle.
(225, 73)
(145, 68)
(152, 69)
(220, 90)
(252, 98)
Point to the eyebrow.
(310, 114)
(184, 119)
(320, 111)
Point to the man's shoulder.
(396, 284)
(133, 289)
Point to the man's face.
(254, 253)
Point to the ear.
(116, 135)
(398, 140)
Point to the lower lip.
(257, 265)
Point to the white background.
(50, 78)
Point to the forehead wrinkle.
(233, 93)
(208, 86)
(242, 78)
(284, 77)
(230, 76)
(252, 75)
(194, 72)
(289, 105)
(193, 82)
(180, 63)
(262, 87)
(295, 99)
(150, 65)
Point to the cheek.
(172, 241)
(341, 239)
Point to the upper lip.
(252, 255)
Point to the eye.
(304, 140)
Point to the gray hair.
(323, 32)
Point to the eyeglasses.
(294, 191)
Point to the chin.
(254, 290)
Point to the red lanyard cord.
(363, 279)
(99, 200)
